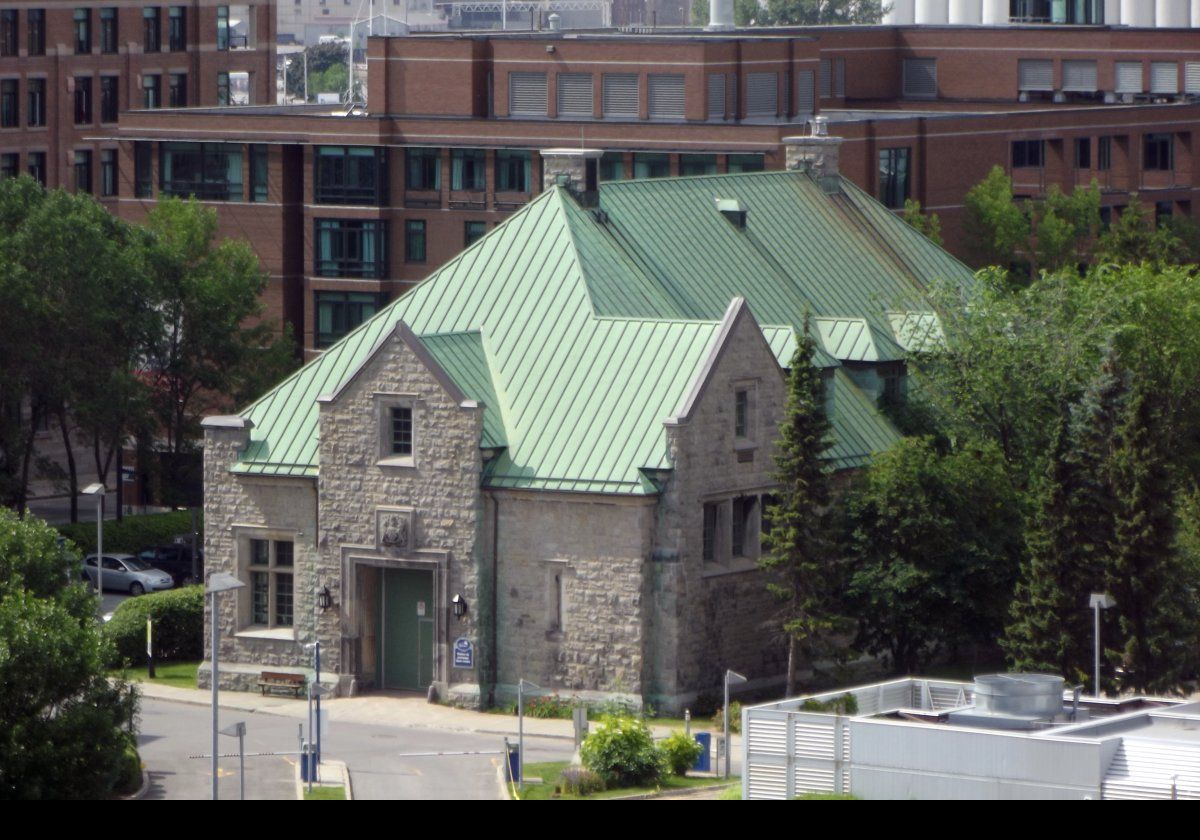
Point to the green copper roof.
(581, 331)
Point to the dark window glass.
(514, 171)
(108, 99)
(423, 169)
(209, 171)
(709, 535)
(351, 175)
(283, 600)
(108, 172)
(1163, 210)
(1083, 152)
(83, 100)
(37, 167)
(1157, 153)
(37, 31)
(151, 90)
(223, 91)
(8, 32)
(697, 164)
(258, 173)
(10, 165)
(651, 165)
(108, 30)
(402, 430)
(414, 240)
(152, 29)
(10, 116)
(1028, 153)
(177, 91)
(612, 166)
(143, 177)
(351, 248)
(468, 169)
(1104, 153)
(894, 169)
(83, 31)
(83, 172)
(36, 115)
(741, 413)
(743, 518)
(747, 163)
(473, 232)
(284, 555)
(222, 27)
(337, 313)
(177, 28)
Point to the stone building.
(550, 459)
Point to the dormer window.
(397, 415)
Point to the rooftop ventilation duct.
(1014, 701)
(720, 15)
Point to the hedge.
(133, 533)
(178, 626)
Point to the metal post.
(726, 718)
(242, 759)
(521, 734)
(100, 551)
(1096, 636)
(318, 701)
(214, 680)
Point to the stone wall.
(436, 491)
(710, 616)
(599, 545)
(237, 506)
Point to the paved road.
(374, 753)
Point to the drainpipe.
(494, 648)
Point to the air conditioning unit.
(1110, 98)
(1059, 96)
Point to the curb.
(677, 793)
(142, 791)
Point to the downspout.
(494, 648)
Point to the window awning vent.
(733, 210)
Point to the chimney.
(816, 153)
(575, 169)
(720, 15)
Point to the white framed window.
(398, 439)
(267, 563)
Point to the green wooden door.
(406, 635)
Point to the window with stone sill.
(270, 570)
(397, 431)
(745, 421)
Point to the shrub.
(846, 704)
(549, 706)
(133, 533)
(618, 707)
(178, 626)
(681, 751)
(130, 781)
(621, 751)
(579, 781)
(735, 718)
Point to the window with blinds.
(762, 94)
(920, 78)
(826, 80)
(1035, 74)
(716, 96)
(1164, 77)
(1079, 76)
(839, 77)
(620, 95)
(1129, 76)
(665, 93)
(574, 97)
(527, 94)
(1191, 77)
(806, 99)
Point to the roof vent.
(600, 217)
(734, 211)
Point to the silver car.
(126, 573)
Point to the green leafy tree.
(798, 554)
(65, 726)
(207, 354)
(928, 224)
(796, 12)
(1134, 237)
(933, 538)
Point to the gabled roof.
(580, 332)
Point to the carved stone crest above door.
(395, 530)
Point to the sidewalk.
(385, 710)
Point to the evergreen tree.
(1146, 576)
(797, 550)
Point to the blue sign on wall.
(464, 653)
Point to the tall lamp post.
(731, 678)
(218, 582)
(97, 490)
(1098, 601)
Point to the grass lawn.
(179, 674)
(550, 770)
(326, 792)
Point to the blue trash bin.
(514, 761)
(307, 760)
(704, 762)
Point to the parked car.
(126, 573)
(176, 560)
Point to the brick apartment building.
(349, 209)
(68, 69)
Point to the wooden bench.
(288, 682)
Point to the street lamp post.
(218, 582)
(731, 678)
(1098, 601)
(97, 490)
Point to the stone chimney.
(816, 153)
(576, 169)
